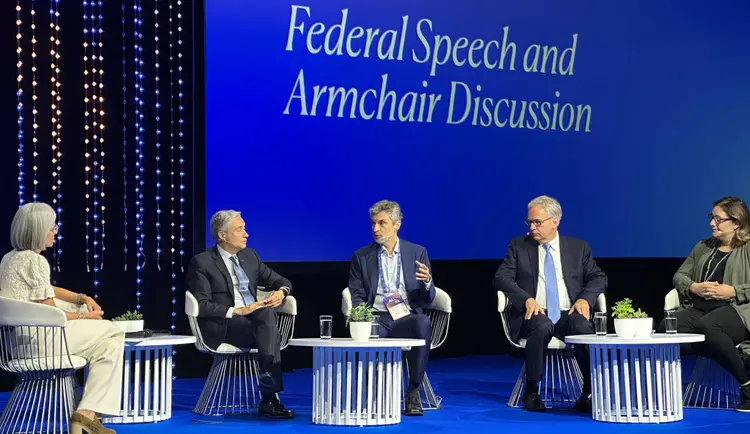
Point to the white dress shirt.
(238, 300)
(541, 286)
(389, 262)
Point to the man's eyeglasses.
(718, 219)
(536, 223)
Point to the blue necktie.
(247, 296)
(550, 280)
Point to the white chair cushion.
(554, 344)
(47, 363)
(231, 349)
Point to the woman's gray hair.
(220, 222)
(388, 206)
(30, 226)
(551, 206)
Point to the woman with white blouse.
(25, 275)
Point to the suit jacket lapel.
(219, 262)
(373, 272)
(566, 263)
(407, 264)
(532, 248)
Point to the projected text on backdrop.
(464, 104)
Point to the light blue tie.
(550, 280)
(247, 296)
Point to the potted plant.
(630, 322)
(129, 322)
(360, 322)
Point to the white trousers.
(102, 344)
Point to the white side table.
(636, 380)
(148, 399)
(357, 383)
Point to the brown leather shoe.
(80, 423)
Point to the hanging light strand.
(56, 101)
(89, 81)
(19, 102)
(172, 187)
(124, 135)
(139, 129)
(158, 135)
(98, 136)
(34, 111)
(181, 144)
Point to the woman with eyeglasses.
(25, 275)
(714, 286)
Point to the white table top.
(159, 341)
(654, 339)
(351, 343)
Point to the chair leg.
(230, 385)
(41, 402)
(561, 383)
(427, 396)
(710, 386)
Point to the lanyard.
(398, 272)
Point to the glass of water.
(670, 321)
(326, 326)
(600, 323)
(375, 328)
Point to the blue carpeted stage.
(474, 392)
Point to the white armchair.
(710, 385)
(439, 313)
(233, 378)
(33, 346)
(562, 380)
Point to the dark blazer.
(208, 279)
(364, 274)
(518, 275)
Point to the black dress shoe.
(274, 409)
(413, 405)
(744, 405)
(532, 402)
(583, 405)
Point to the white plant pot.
(360, 331)
(633, 327)
(129, 326)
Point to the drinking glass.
(600, 323)
(670, 321)
(375, 328)
(326, 326)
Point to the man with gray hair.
(224, 281)
(551, 282)
(393, 276)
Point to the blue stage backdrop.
(633, 114)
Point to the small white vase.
(633, 327)
(360, 331)
(129, 326)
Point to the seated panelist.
(714, 287)
(552, 283)
(393, 276)
(223, 280)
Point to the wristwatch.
(285, 290)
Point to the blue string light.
(89, 68)
(158, 136)
(56, 100)
(19, 103)
(124, 135)
(34, 112)
(138, 51)
(172, 186)
(181, 136)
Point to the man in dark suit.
(224, 280)
(552, 283)
(393, 276)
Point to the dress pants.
(260, 330)
(538, 332)
(102, 344)
(412, 326)
(723, 329)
